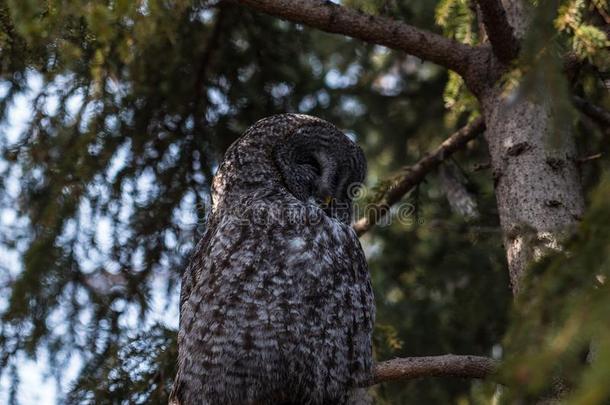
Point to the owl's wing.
(196, 263)
(187, 285)
(363, 302)
(368, 297)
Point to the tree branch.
(330, 17)
(448, 365)
(501, 35)
(593, 111)
(416, 173)
(588, 158)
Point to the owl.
(276, 304)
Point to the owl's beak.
(325, 202)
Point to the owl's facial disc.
(321, 171)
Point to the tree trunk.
(537, 185)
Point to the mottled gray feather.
(276, 303)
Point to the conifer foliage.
(130, 105)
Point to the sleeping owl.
(276, 305)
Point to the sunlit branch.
(448, 365)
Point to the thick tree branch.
(334, 18)
(449, 365)
(501, 35)
(416, 173)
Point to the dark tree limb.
(416, 173)
(448, 365)
(330, 17)
(593, 111)
(499, 31)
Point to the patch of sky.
(352, 106)
(337, 79)
(93, 233)
(307, 103)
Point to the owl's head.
(320, 164)
(309, 157)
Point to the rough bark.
(448, 365)
(394, 34)
(499, 31)
(537, 185)
(517, 16)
